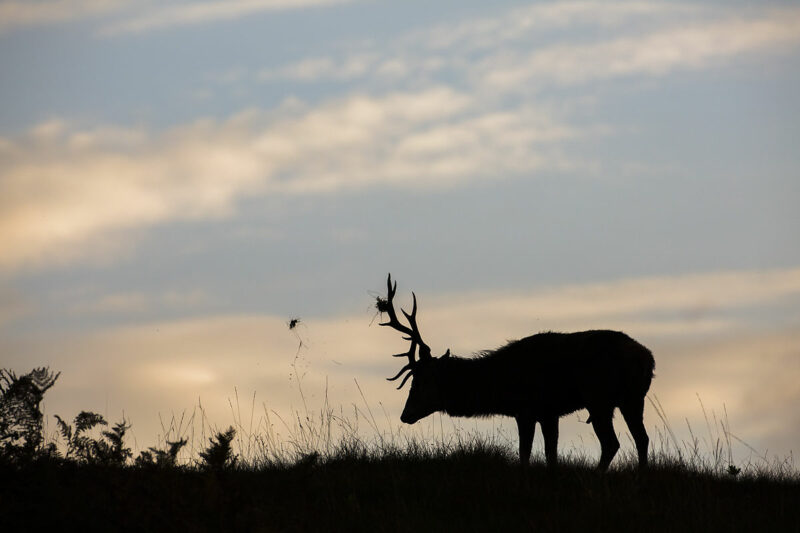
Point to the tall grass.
(261, 438)
(266, 439)
(353, 469)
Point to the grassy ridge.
(325, 475)
(467, 488)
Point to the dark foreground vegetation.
(468, 489)
(91, 481)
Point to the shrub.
(219, 454)
(20, 415)
(110, 450)
(153, 457)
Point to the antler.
(412, 333)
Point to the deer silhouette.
(536, 379)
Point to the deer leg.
(604, 428)
(550, 433)
(527, 427)
(633, 413)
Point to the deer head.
(425, 396)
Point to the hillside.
(472, 488)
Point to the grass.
(323, 471)
(472, 486)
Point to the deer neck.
(465, 390)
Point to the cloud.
(12, 305)
(660, 306)
(64, 192)
(70, 194)
(126, 16)
(191, 13)
(164, 366)
(313, 69)
(139, 303)
(86, 187)
(530, 47)
(16, 14)
(658, 53)
(746, 378)
(522, 23)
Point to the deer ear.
(446, 354)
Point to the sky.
(178, 180)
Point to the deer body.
(537, 379)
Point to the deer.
(537, 379)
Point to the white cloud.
(16, 14)
(312, 69)
(520, 24)
(188, 13)
(681, 47)
(64, 192)
(139, 303)
(518, 51)
(67, 194)
(127, 16)
(653, 306)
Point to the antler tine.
(394, 322)
(407, 367)
(412, 318)
(404, 380)
(424, 349)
